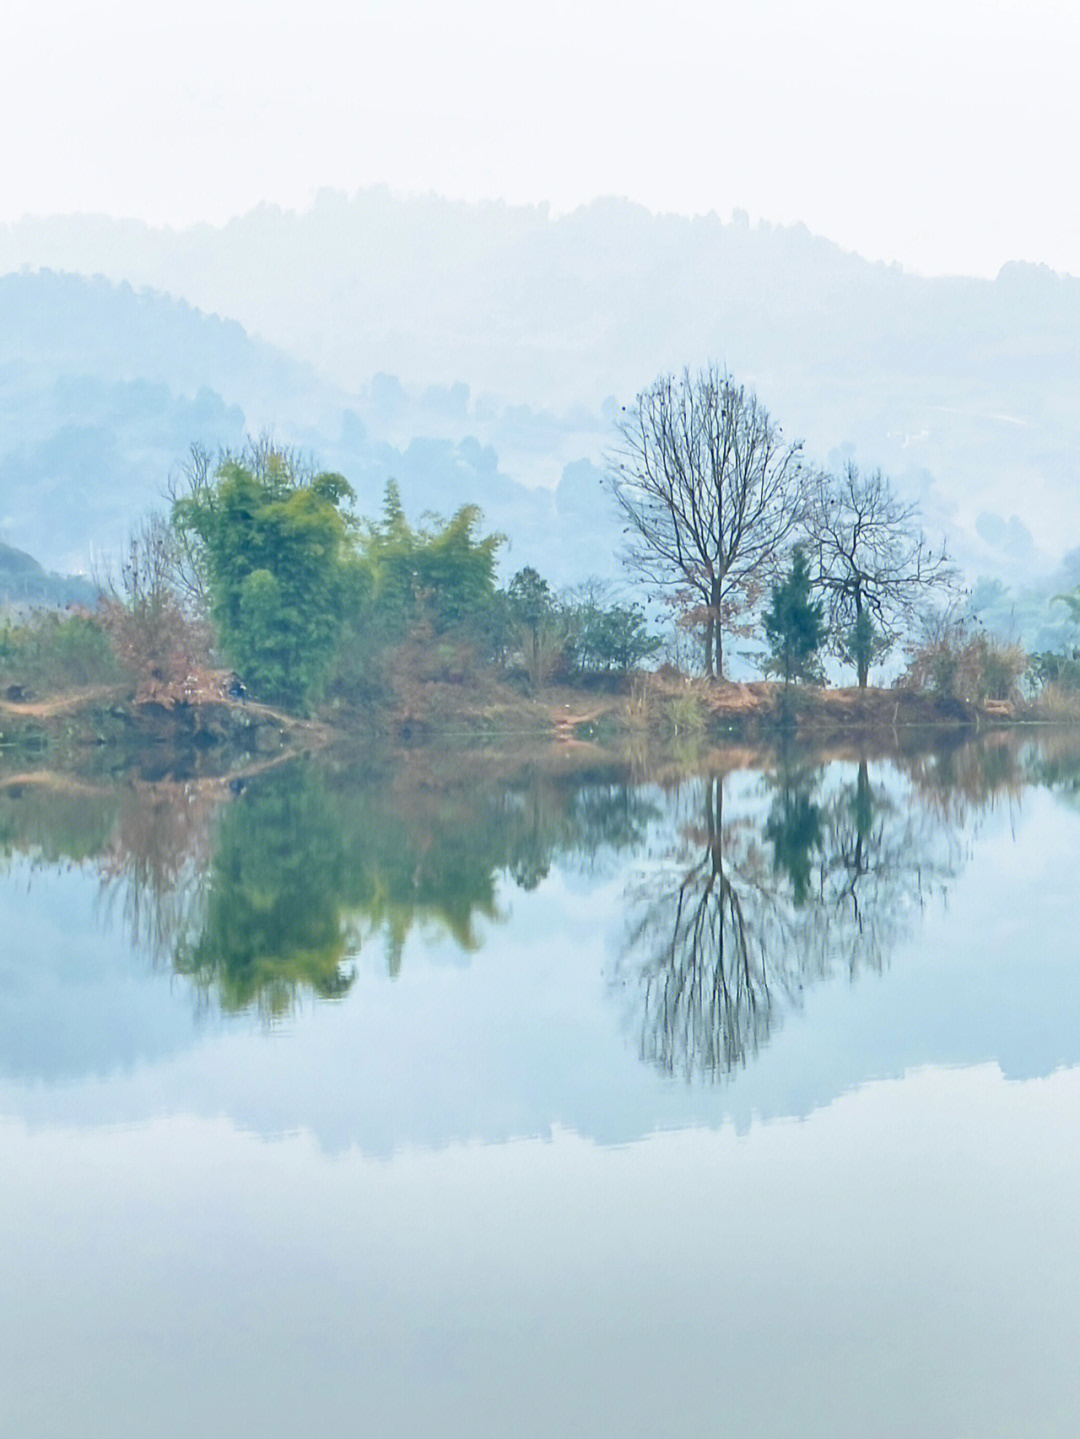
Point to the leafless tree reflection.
(809, 876)
(153, 870)
(707, 986)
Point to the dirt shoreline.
(645, 707)
(581, 735)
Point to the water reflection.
(261, 891)
(271, 922)
(819, 871)
(745, 886)
(922, 1155)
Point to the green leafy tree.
(456, 568)
(622, 641)
(795, 625)
(539, 627)
(443, 570)
(424, 603)
(278, 561)
(608, 638)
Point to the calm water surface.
(467, 1098)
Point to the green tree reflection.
(272, 923)
(286, 878)
(794, 829)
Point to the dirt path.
(61, 704)
(100, 694)
(566, 720)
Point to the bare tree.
(872, 561)
(195, 482)
(142, 610)
(711, 492)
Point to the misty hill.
(528, 307)
(103, 391)
(25, 582)
(63, 323)
(521, 332)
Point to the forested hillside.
(476, 352)
(103, 391)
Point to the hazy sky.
(940, 134)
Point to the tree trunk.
(716, 625)
(709, 627)
(864, 805)
(714, 823)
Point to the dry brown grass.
(1055, 705)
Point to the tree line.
(722, 512)
(263, 562)
(724, 515)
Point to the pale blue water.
(545, 1166)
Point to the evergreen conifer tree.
(795, 625)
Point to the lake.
(450, 1094)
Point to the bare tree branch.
(710, 491)
(872, 562)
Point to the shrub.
(1055, 702)
(956, 664)
(50, 652)
(686, 713)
